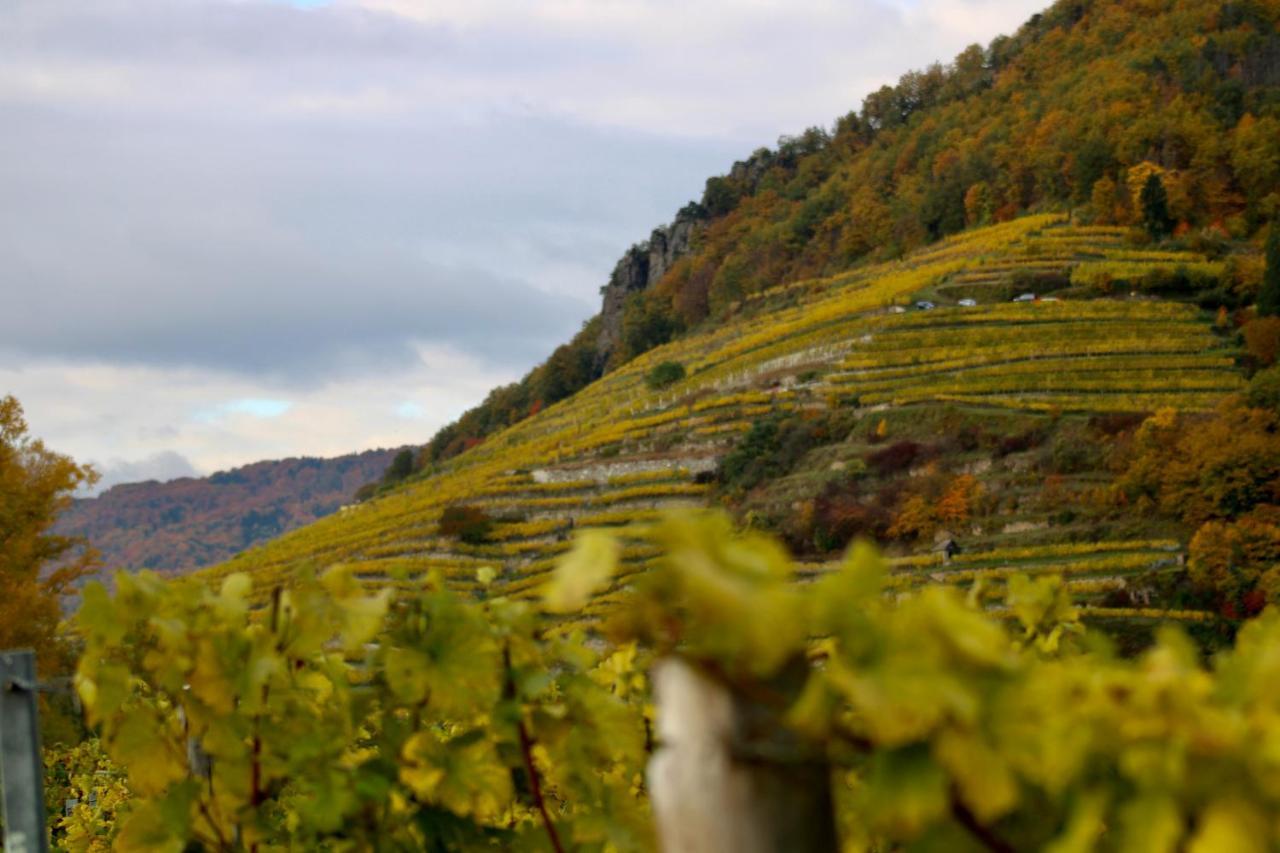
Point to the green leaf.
(98, 616)
(905, 792)
(407, 674)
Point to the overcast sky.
(233, 230)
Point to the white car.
(967, 303)
(1026, 297)
(925, 305)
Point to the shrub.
(1117, 423)
(1262, 340)
(470, 524)
(665, 374)
(773, 447)
(1264, 390)
(1020, 443)
(1072, 453)
(897, 457)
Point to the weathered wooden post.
(21, 764)
(727, 778)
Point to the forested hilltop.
(1073, 112)
(191, 522)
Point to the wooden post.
(21, 763)
(727, 778)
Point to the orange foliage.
(1262, 340)
(1204, 468)
(1230, 559)
(36, 566)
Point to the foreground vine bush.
(341, 720)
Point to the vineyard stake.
(21, 767)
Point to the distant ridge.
(188, 523)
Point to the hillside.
(1076, 111)
(893, 402)
(815, 347)
(188, 523)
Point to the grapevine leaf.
(587, 567)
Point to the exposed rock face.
(642, 266)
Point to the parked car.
(968, 303)
(925, 305)
(1026, 297)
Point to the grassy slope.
(845, 338)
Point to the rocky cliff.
(639, 269)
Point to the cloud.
(162, 466)
(219, 420)
(334, 204)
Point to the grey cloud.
(250, 187)
(292, 247)
(163, 466)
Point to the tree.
(1262, 340)
(400, 468)
(37, 567)
(1203, 469)
(1269, 295)
(1264, 390)
(1229, 559)
(1091, 163)
(1155, 208)
(1103, 200)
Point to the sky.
(234, 230)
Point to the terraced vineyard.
(1080, 356)
(618, 452)
(1089, 570)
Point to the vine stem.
(535, 786)
(526, 752)
(966, 818)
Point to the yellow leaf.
(585, 569)
(137, 745)
(237, 586)
(986, 786)
(1150, 824)
(362, 618)
(1230, 826)
(1083, 828)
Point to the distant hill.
(188, 523)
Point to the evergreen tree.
(1269, 295)
(401, 467)
(1155, 208)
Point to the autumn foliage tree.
(36, 566)
(1269, 295)
(1220, 474)
(1238, 562)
